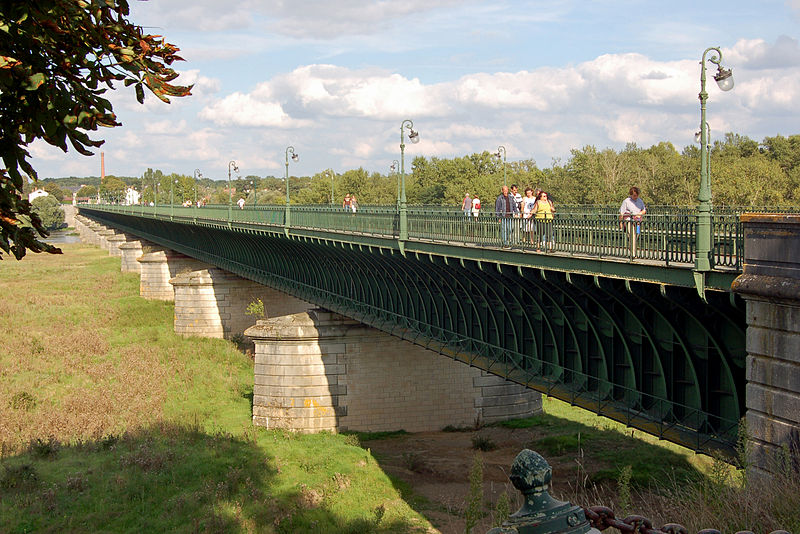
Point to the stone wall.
(320, 371)
(770, 284)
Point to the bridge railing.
(666, 234)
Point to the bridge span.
(633, 334)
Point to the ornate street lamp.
(172, 198)
(231, 165)
(502, 149)
(414, 138)
(295, 157)
(255, 191)
(332, 175)
(724, 79)
(393, 170)
(197, 174)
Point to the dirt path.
(436, 465)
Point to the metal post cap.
(540, 514)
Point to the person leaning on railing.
(543, 211)
(630, 216)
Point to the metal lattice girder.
(654, 356)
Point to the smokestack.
(102, 166)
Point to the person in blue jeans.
(506, 210)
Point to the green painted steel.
(630, 340)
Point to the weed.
(146, 457)
(415, 462)
(483, 443)
(474, 509)
(76, 482)
(256, 309)
(22, 401)
(39, 448)
(624, 489)
(502, 509)
(18, 477)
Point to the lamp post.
(287, 218)
(502, 149)
(172, 183)
(724, 79)
(231, 165)
(414, 138)
(255, 191)
(332, 175)
(393, 169)
(197, 174)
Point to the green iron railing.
(667, 234)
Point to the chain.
(602, 517)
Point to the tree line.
(744, 172)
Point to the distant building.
(36, 193)
(131, 196)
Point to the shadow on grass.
(167, 478)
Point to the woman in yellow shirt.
(543, 212)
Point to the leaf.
(35, 81)
(140, 93)
(6, 62)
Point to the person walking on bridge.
(506, 209)
(466, 206)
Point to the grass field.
(112, 423)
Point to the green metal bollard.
(541, 514)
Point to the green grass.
(113, 423)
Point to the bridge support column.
(92, 236)
(130, 252)
(158, 266)
(103, 237)
(213, 303)
(320, 371)
(114, 242)
(770, 284)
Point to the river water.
(62, 237)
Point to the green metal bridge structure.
(639, 335)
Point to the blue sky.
(336, 78)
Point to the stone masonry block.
(779, 344)
(773, 372)
(778, 403)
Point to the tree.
(49, 210)
(55, 191)
(57, 59)
(87, 191)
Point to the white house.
(131, 196)
(36, 193)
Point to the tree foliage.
(57, 59)
(49, 210)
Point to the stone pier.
(114, 243)
(213, 303)
(770, 285)
(103, 236)
(158, 266)
(130, 252)
(319, 371)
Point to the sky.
(336, 78)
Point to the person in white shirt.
(241, 203)
(630, 217)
